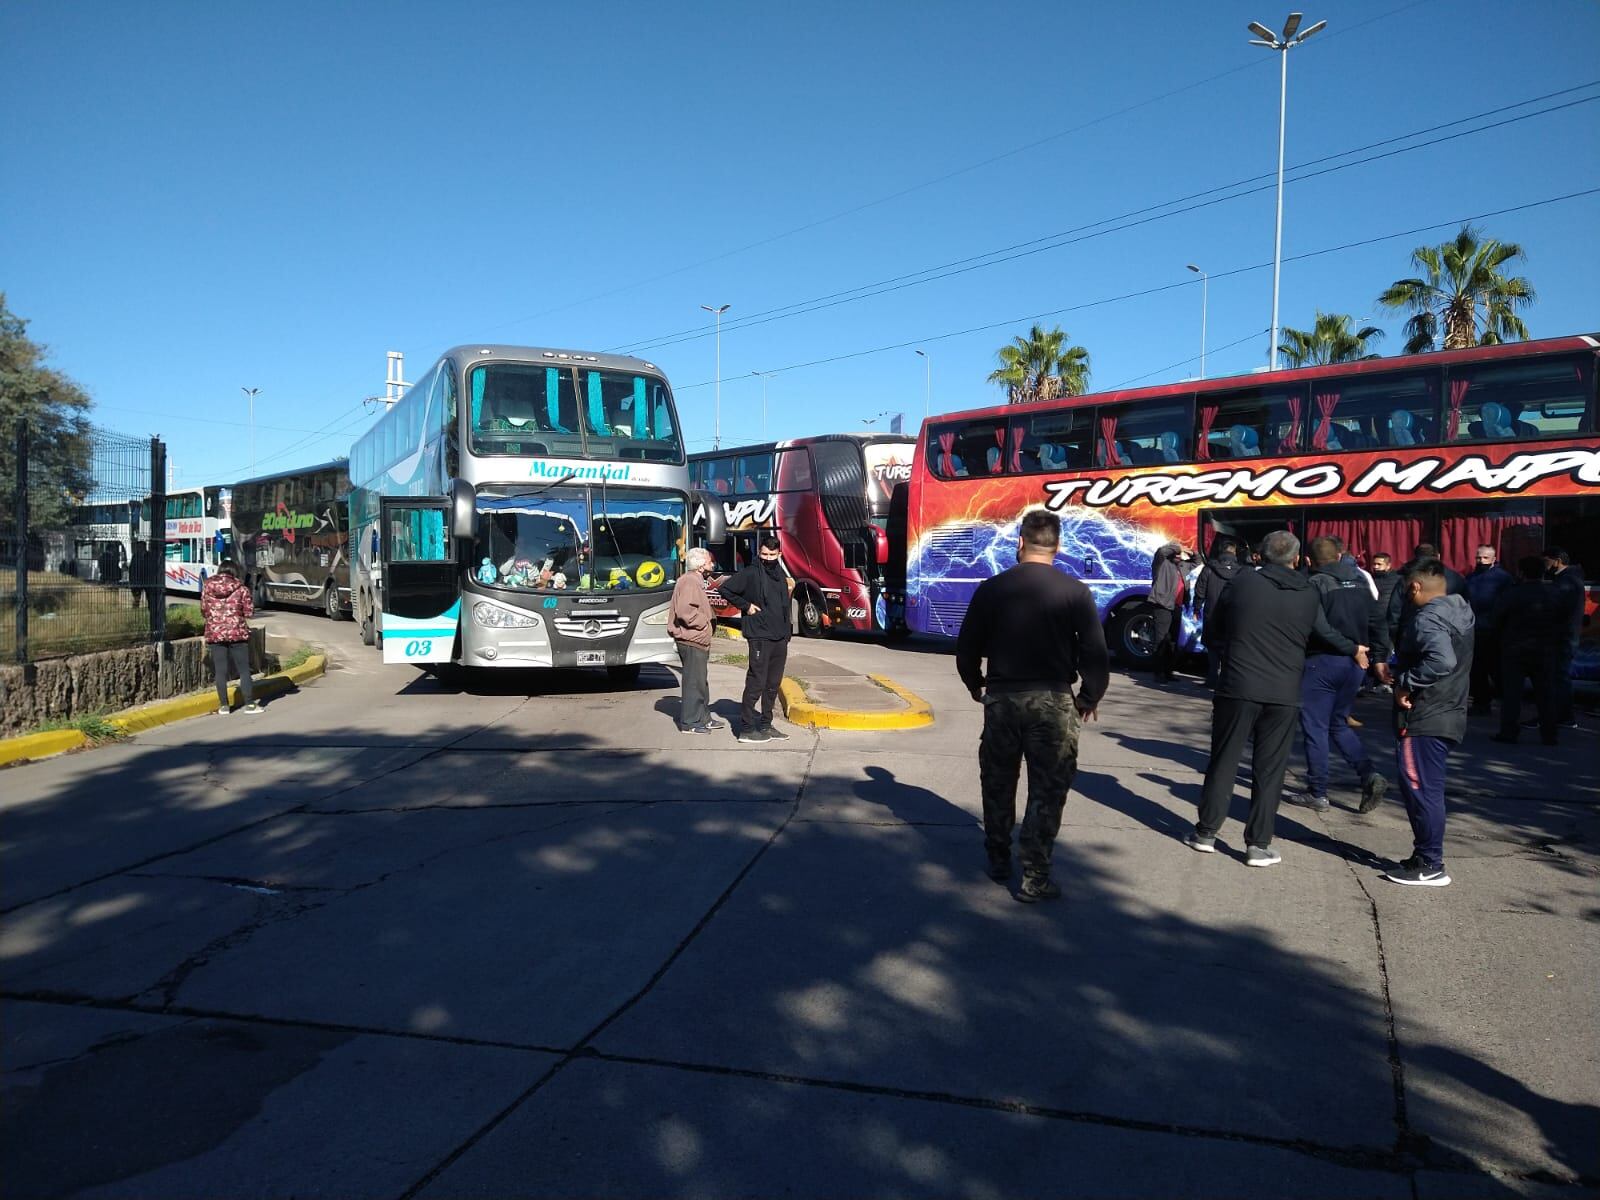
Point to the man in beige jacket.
(690, 623)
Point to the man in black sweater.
(1040, 632)
(1268, 617)
(761, 594)
(1214, 579)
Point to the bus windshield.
(571, 411)
(580, 539)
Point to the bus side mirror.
(463, 510)
(880, 545)
(710, 515)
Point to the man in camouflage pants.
(1039, 632)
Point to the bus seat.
(993, 460)
(720, 486)
(1519, 427)
(1402, 428)
(958, 469)
(1495, 421)
(1052, 457)
(1168, 446)
(747, 485)
(1243, 442)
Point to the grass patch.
(95, 726)
(299, 658)
(184, 621)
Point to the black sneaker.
(1000, 868)
(1307, 800)
(1415, 873)
(774, 734)
(713, 724)
(1038, 887)
(756, 734)
(701, 729)
(1372, 790)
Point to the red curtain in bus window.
(1291, 439)
(1326, 402)
(1458, 394)
(1364, 537)
(947, 446)
(1108, 437)
(1512, 535)
(1208, 418)
(1017, 434)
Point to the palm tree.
(1461, 288)
(1041, 366)
(1329, 340)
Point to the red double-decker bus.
(827, 498)
(1495, 445)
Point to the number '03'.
(414, 648)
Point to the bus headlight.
(492, 616)
(656, 618)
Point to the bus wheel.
(330, 603)
(625, 676)
(258, 592)
(809, 615)
(1133, 635)
(369, 625)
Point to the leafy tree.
(58, 429)
(1041, 366)
(1331, 339)
(1459, 290)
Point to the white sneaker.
(252, 707)
(224, 711)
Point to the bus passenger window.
(1364, 412)
(1144, 433)
(1542, 397)
(972, 449)
(1249, 423)
(1043, 439)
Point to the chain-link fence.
(81, 561)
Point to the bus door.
(420, 588)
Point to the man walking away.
(760, 592)
(1386, 579)
(1331, 679)
(1567, 577)
(1433, 671)
(1268, 617)
(689, 622)
(1484, 587)
(1532, 633)
(1214, 579)
(1166, 589)
(225, 604)
(1039, 632)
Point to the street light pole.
(927, 383)
(250, 395)
(1205, 286)
(764, 376)
(1283, 44)
(716, 429)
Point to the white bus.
(522, 507)
(198, 535)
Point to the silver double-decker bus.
(522, 507)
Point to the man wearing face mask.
(761, 594)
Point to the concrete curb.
(727, 631)
(917, 713)
(164, 712)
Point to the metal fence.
(82, 542)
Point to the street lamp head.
(923, 353)
(1292, 24)
(1194, 268)
(1261, 31)
(1320, 25)
(716, 311)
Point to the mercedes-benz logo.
(591, 628)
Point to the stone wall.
(64, 688)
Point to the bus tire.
(369, 624)
(808, 614)
(330, 602)
(1131, 635)
(624, 676)
(258, 593)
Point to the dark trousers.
(1422, 761)
(1327, 694)
(696, 707)
(1558, 683)
(761, 680)
(1517, 664)
(1485, 667)
(1041, 727)
(1232, 723)
(1164, 625)
(234, 657)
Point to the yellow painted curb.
(728, 631)
(917, 713)
(39, 745)
(138, 720)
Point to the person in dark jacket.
(1402, 613)
(761, 594)
(1433, 672)
(1166, 596)
(1039, 632)
(1268, 618)
(1528, 615)
(1215, 576)
(1567, 577)
(1484, 586)
(1386, 579)
(1332, 678)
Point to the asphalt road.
(400, 938)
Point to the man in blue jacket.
(1433, 670)
(1484, 587)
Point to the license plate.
(591, 658)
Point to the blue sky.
(203, 197)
